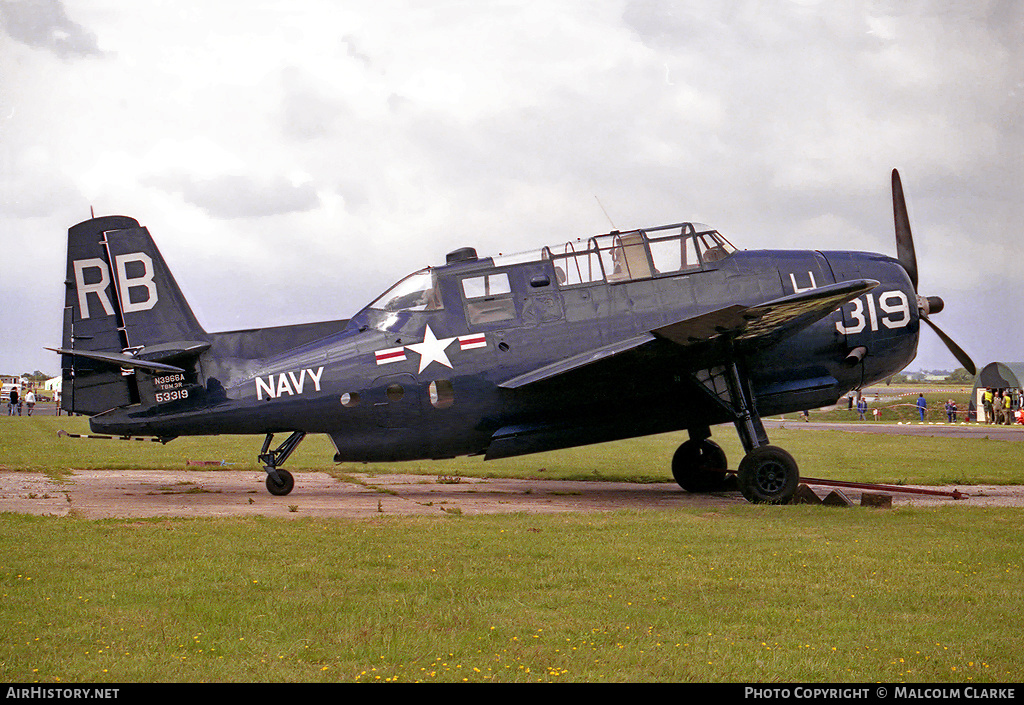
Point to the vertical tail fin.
(121, 299)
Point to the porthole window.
(442, 395)
(350, 399)
(395, 392)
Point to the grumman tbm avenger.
(621, 335)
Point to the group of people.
(862, 407)
(951, 411)
(15, 402)
(1001, 407)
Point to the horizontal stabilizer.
(178, 351)
(119, 360)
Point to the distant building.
(7, 383)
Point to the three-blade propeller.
(905, 254)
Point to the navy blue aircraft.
(624, 334)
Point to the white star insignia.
(432, 349)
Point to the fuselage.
(418, 373)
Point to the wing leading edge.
(749, 326)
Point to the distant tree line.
(37, 376)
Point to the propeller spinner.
(926, 305)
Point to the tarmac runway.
(102, 494)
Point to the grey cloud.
(241, 197)
(44, 24)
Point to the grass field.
(749, 594)
(32, 444)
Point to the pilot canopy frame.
(613, 257)
(638, 254)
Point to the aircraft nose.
(934, 304)
(928, 305)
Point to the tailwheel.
(699, 466)
(768, 475)
(279, 481)
(282, 487)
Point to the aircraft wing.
(750, 326)
(576, 361)
(769, 322)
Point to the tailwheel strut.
(279, 481)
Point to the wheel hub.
(771, 477)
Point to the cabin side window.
(688, 252)
(488, 298)
(713, 247)
(577, 268)
(674, 254)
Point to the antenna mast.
(605, 212)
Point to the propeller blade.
(904, 240)
(957, 351)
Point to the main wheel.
(287, 483)
(768, 475)
(695, 465)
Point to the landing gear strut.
(279, 481)
(767, 474)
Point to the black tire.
(694, 466)
(768, 475)
(287, 483)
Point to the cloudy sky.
(294, 159)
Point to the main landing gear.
(699, 465)
(767, 474)
(279, 481)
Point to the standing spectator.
(951, 411)
(922, 405)
(862, 407)
(1007, 408)
(30, 401)
(997, 409)
(986, 401)
(12, 401)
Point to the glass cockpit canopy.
(417, 292)
(638, 254)
(614, 257)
